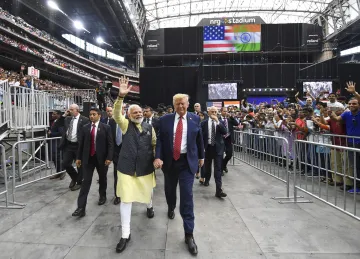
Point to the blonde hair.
(180, 96)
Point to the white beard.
(138, 121)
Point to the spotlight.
(286, 89)
(99, 40)
(53, 5)
(78, 25)
(259, 90)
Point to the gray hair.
(133, 106)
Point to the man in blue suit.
(179, 152)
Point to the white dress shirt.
(209, 129)
(96, 129)
(73, 136)
(184, 133)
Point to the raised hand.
(124, 87)
(350, 87)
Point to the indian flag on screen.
(232, 38)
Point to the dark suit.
(56, 130)
(112, 123)
(182, 170)
(231, 123)
(154, 123)
(104, 148)
(70, 149)
(214, 152)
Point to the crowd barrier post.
(5, 192)
(30, 166)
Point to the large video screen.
(232, 38)
(318, 88)
(222, 91)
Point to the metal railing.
(318, 166)
(329, 167)
(30, 163)
(62, 99)
(267, 153)
(4, 105)
(29, 108)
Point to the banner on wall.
(154, 42)
(232, 103)
(232, 38)
(216, 104)
(312, 36)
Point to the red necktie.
(178, 138)
(92, 145)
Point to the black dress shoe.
(220, 194)
(72, 184)
(171, 214)
(116, 201)
(226, 170)
(189, 240)
(150, 213)
(102, 200)
(206, 183)
(79, 212)
(76, 187)
(122, 244)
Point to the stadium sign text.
(230, 20)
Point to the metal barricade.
(267, 153)
(62, 99)
(4, 105)
(29, 108)
(324, 165)
(31, 162)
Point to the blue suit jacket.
(165, 140)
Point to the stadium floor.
(247, 224)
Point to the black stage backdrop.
(160, 84)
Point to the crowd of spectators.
(19, 79)
(46, 55)
(315, 120)
(18, 21)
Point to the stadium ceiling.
(183, 13)
(112, 20)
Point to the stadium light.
(53, 5)
(99, 40)
(78, 25)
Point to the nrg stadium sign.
(230, 20)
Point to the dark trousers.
(88, 174)
(180, 172)
(355, 156)
(56, 155)
(69, 155)
(210, 155)
(228, 152)
(117, 150)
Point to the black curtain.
(159, 85)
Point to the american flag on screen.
(216, 104)
(232, 38)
